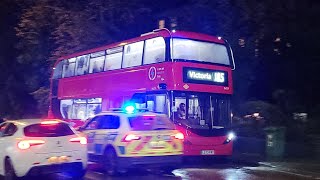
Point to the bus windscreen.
(187, 49)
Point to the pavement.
(302, 167)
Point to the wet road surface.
(223, 171)
(195, 171)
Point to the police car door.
(90, 130)
(106, 133)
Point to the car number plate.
(156, 144)
(207, 152)
(55, 159)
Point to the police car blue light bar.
(130, 109)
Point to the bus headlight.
(231, 136)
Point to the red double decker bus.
(186, 75)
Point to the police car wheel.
(111, 164)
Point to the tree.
(94, 23)
(263, 36)
(49, 29)
(13, 97)
(35, 44)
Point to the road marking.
(267, 164)
(274, 168)
(293, 173)
(296, 174)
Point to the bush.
(269, 115)
(313, 123)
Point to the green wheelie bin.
(275, 142)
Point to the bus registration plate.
(207, 152)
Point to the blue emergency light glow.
(129, 109)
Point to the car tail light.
(49, 122)
(81, 140)
(131, 137)
(26, 144)
(179, 136)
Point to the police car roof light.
(130, 109)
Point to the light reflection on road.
(197, 172)
(227, 174)
(181, 173)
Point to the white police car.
(122, 140)
(38, 147)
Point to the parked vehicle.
(41, 146)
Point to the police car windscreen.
(150, 122)
(50, 130)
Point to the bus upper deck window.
(133, 54)
(57, 70)
(82, 65)
(69, 67)
(154, 50)
(96, 64)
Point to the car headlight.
(231, 136)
